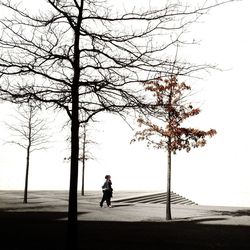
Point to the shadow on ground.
(48, 231)
(241, 212)
(122, 205)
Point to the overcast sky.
(217, 174)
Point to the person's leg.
(103, 199)
(108, 201)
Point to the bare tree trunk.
(72, 212)
(83, 170)
(168, 201)
(30, 115)
(25, 198)
(83, 158)
(72, 209)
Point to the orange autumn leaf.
(170, 107)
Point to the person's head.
(107, 177)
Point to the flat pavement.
(42, 224)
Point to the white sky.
(217, 174)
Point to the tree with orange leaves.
(170, 108)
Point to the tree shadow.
(237, 213)
(122, 205)
(183, 234)
(197, 220)
(13, 216)
(49, 231)
(28, 207)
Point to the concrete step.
(157, 198)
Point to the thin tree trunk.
(83, 169)
(168, 201)
(83, 159)
(25, 198)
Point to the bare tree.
(30, 132)
(171, 108)
(84, 57)
(85, 154)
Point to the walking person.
(107, 191)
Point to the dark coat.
(107, 188)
